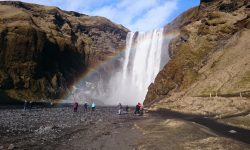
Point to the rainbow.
(68, 98)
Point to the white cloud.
(137, 15)
(155, 17)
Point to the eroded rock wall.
(43, 50)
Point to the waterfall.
(144, 58)
(145, 55)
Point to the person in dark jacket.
(30, 105)
(127, 108)
(85, 106)
(119, 108)
(75, 106)
(25, 105)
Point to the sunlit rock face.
(209, 54)
(43, 50)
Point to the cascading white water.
(145, 55)
(144, 58)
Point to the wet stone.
(11, 146)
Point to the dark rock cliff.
(43, 50)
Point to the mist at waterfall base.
(125, 79)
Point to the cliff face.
(210, 55)
(44, 49)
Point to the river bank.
(51, 128)
(61, 128)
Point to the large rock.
(211, 53)
(43, 50)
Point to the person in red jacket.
(137, 108)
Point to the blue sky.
(137, 15)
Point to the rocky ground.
(61, 128)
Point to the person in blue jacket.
(93, 106)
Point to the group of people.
(85, 105)
(138, 109)
(120, 109)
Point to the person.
(93, 106)
(25, 105)
(119, 108)
(51, 104)
(85, 106)
(30, 105)
(141, 110)
(137, 108)
(127, 108)
(75, 106)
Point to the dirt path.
(218, 128)
(168, 130)
(118, 134)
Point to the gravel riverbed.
(40, 127)
(63, 129)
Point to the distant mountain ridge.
(43, 50)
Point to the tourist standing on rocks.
(30, 105)
(93, 106)
(51, 104)
(75, 106)
(25, 105)
(119, 108)
(137, 108)
(141, 110)
(126, 108)
(85, 106)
